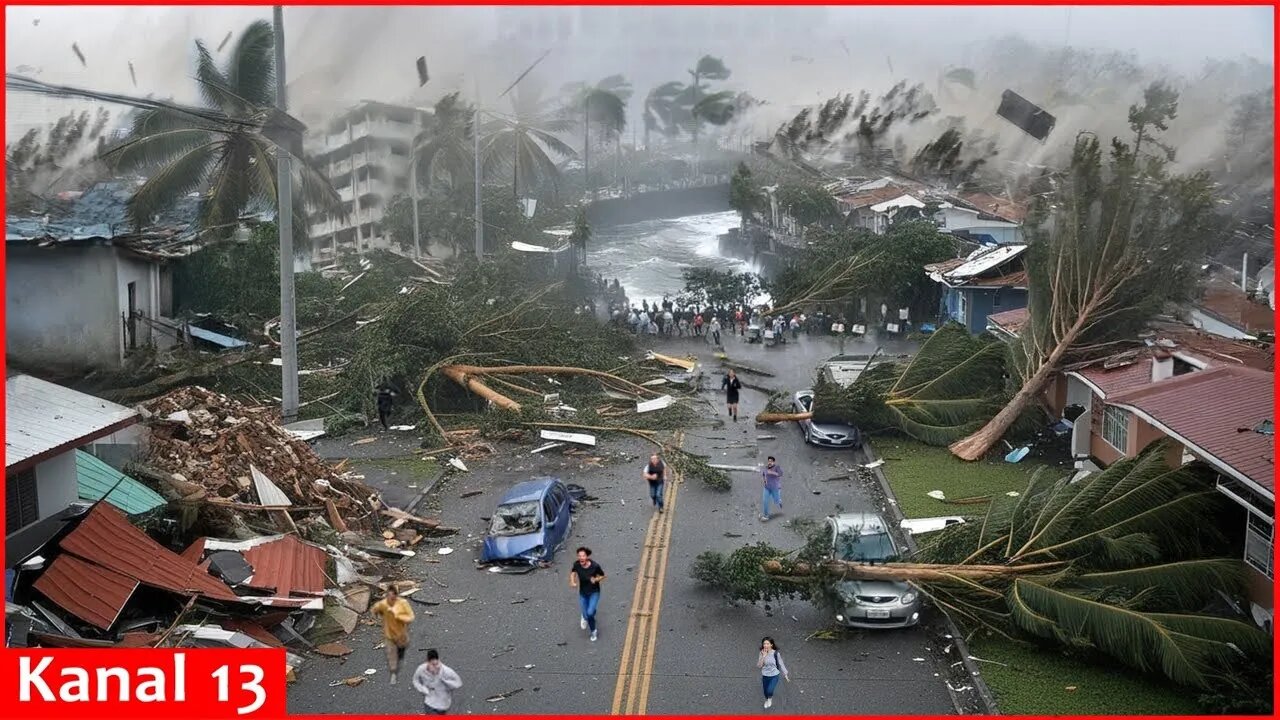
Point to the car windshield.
(806, 402)
(519, 518)
(865, 546)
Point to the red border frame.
(1249, 3)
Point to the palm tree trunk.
(515, 179)
(586, 149)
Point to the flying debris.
(132, 75)
(423, 77)
(76, 49)
(224, 41)
(36, 22)
(1027, 116)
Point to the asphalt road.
(678, 647)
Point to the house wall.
(1214, 326)
(61, 307)
(979, 303)
(56, 486)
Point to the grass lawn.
(914, 469)
(1035, 680)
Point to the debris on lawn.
(458, 464)
(656, 404)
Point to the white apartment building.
(365, 153)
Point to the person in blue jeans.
(771, 668)
(586, 575)
(655, 473)
(772, 487)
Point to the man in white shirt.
(436, 681)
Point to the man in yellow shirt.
(396, 616)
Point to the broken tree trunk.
(468, 377)
(905, 572)
(768, 417)
(463, 375)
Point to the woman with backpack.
(771, 668)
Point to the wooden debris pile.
(207, 446)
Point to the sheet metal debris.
(578, 438)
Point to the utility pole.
(413, 195)
(475, 135)
(284, 221)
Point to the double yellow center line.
(631, 693)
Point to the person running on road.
(772, 487)
(771, 668)
(656, 473)
(732, 386)
(436, 681)
(586, 575)
(396, 616)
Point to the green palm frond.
(1188, 649)
(317, 192)
(717, 108)
(711, 68)
(214, 88)
(250, 70)
(180, 177)
(149, 151)
(1188, 584)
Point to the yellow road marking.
(635, 671)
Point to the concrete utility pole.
(284, 221)
(413, 194)
(475, 135)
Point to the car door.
(552, 524)
(803, 404)
(566, 507)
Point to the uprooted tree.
(951, 386)
(1121, 562)
(1109, 248)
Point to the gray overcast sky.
(158, 40)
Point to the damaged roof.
(287, 566)
(92, 593)
(1011, 321)
(997, 207)
(1228, 303)
(999, 266)
(43, 419)
(1216, 413)
(106, 539)
(96, 479)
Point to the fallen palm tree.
(952, 385)
(1124, 562)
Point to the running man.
(586, 575)
(396, 617)
(436, 681)
(772, 487)
(656, 473)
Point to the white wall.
(56, 486)
(61, 307)
(1215, 326)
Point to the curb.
(985, 696)
(412, 507)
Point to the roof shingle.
(1216, 410)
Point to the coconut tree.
(1124, 562)
(1113, 245)
(694, 95)
(222, 154)
(606, 104)
(662, 110)
(443, 151)
(525, 140)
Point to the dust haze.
(1085, 65)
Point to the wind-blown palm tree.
(228, 160)
(526, 139)
(662, 110)
(444, 149)
(701, 106)
(606, 103)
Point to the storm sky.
(338, 56)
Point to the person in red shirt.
(697, 324)
(740, 321)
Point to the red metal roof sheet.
(107, 539)
(94, 594)
(1216, 410)
(1232, 305)
(195, 550)
(1113, 381)
(1011, 320)
(286, 566)
(252, 629)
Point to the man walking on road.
(396, 616)
(586, 575)
(772, 487)
(656, 473)
(436, 681)
(385, 397)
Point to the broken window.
(515, 519)
(1115, 428)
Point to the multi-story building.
(365, 152)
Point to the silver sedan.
(837, 435)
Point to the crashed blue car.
(531, 522)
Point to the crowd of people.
(711, 323)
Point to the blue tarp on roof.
(98, 213)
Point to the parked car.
(870, 604)
(836, 435)
(531, 522)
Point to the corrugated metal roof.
(986, 261)
(216, 338)
(41, 416)
(106, 538)
(1011, 320)
(96, 478)
(287, 566)
(94, 594)
(268, 492)
(1216, 410)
